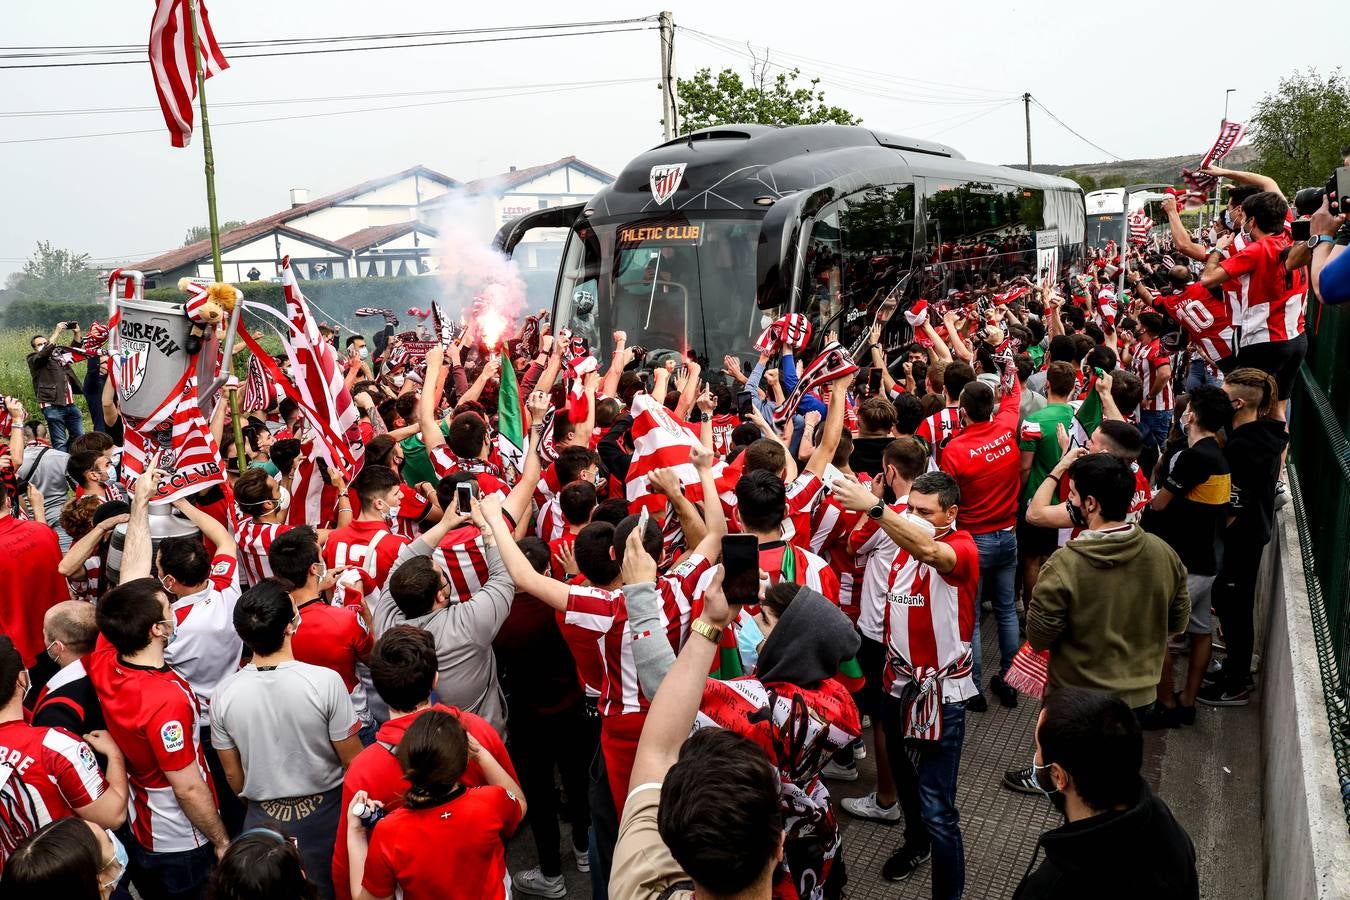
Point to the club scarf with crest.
(834, 362)
(660, 442)
(177, 433)
(1230, 135)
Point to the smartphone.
(463, 497)
(643, 515)
(740, 561)
(874, 381)
(1340, 194)
(1301, 229)
(323, 469)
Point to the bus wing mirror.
(513, 231)
(784, 235)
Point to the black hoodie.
(1141, 852)
(809, 642)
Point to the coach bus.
(1106, 213)
(704, 239)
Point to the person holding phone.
(54, 385)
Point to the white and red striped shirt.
(45, 775)
(489, 481)
(253, 540)
(462, 555)
(1273, 308)
(930, 617)
(605, 613)
(874, 551)
(829, 540)
(550, 525)
(1146, 362)
(938, 427)
(206, 647)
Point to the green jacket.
(1104, 607)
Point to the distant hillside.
(1161, 170)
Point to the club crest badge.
(665, 181)
(131, 362)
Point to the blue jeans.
(998, 572)
(167, 876)
(93, 394)
(1154, 425)
(925, 781)
(64, 423)
(1198, 374)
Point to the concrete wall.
(1307, 841)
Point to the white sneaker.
(1281, 495)
(868, 808)
(859, 749)
(866, 721)
(537, 884)
(583, 858)
(839, 773)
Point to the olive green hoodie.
(1104, 606)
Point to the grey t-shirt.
(284, 720)
(49, 477)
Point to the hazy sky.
(925, 69)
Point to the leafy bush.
(337, 299)
(42, 315)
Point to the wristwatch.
(1317, 239)
(877, 511)
(711, 632)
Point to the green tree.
(203, 232)
(726, 98)
(1086, 182)
(1300, 128)
(1114, 180)
(53, 274)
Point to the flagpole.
(210, 157)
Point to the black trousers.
(1234, 599)
(542, 745)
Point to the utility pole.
(1026, 103)
(668, 98)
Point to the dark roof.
(379, 234)
(507, 181)
(174, 259)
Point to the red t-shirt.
(1272, 307)
(451, 851)
(377, 772)
(29, 583)
(152, 715)
(984, 459)
(1207, 319)
(555, 548)
(352, 544)
(49, 773)
(334, 637)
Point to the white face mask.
(284, 503)
(397, 381)
(364, 353)
(391, 514)
(920, 523)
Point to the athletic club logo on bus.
(131, 366)
(665, 181)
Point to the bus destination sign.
(660, 234)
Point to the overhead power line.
(552, 89)
(140, 60)
(1075, 133)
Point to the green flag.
(1089, 414)
(510, 421)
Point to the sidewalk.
(1221, 810)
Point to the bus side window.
(876, 232)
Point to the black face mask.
(1076, 515)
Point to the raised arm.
(1181, 238)
(919, 543)
(72, 564)
(517, 504)
(211, 529)
(617, 362)
(1262, 182)
(549, 590)
(958, 344)
(138, 555)
(834, 428)
(689, 393)
(17, 417)
(432, 387)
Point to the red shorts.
(618, 742)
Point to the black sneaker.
(977, 704)
(1185, 715)
(1156, 717)
(1006, 694)
(1220, 694)
(904, 863)
(1022, 780)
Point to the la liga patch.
(171, 735)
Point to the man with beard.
(1118, 839)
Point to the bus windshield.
(1102, 228)
(673, 284)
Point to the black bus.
(702, 240)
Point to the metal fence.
(1319, 479)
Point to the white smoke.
(481, 285)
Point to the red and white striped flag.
(660, 442)
(259, 391)
(177, 433)
(1140, 224)
(319, 381)
(173, 62)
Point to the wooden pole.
(210, 158)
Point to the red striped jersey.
(938, 427)
(45, 775)
(1207, 319)
(1273, 308)
(462, 556)
(604, 613)
(874, 551)
(1235, 288)
(785, 561)
(412, 509)
(549, 524)
(489, 476)
(930, 617)
(370, 546)
(1148, 359)
(253, 540)
(723, 424)
(152, 715)
(803, 496)
(85, 586)
(829, 539)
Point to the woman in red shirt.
(446, 840)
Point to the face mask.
(50, 655)
(172, 636)
(764, 322)
(284, 503)
(1076, 515)
(118, 866)
(363, 353)
(398, 381)
(1228, 221)
(391, 513)
(920, 523)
